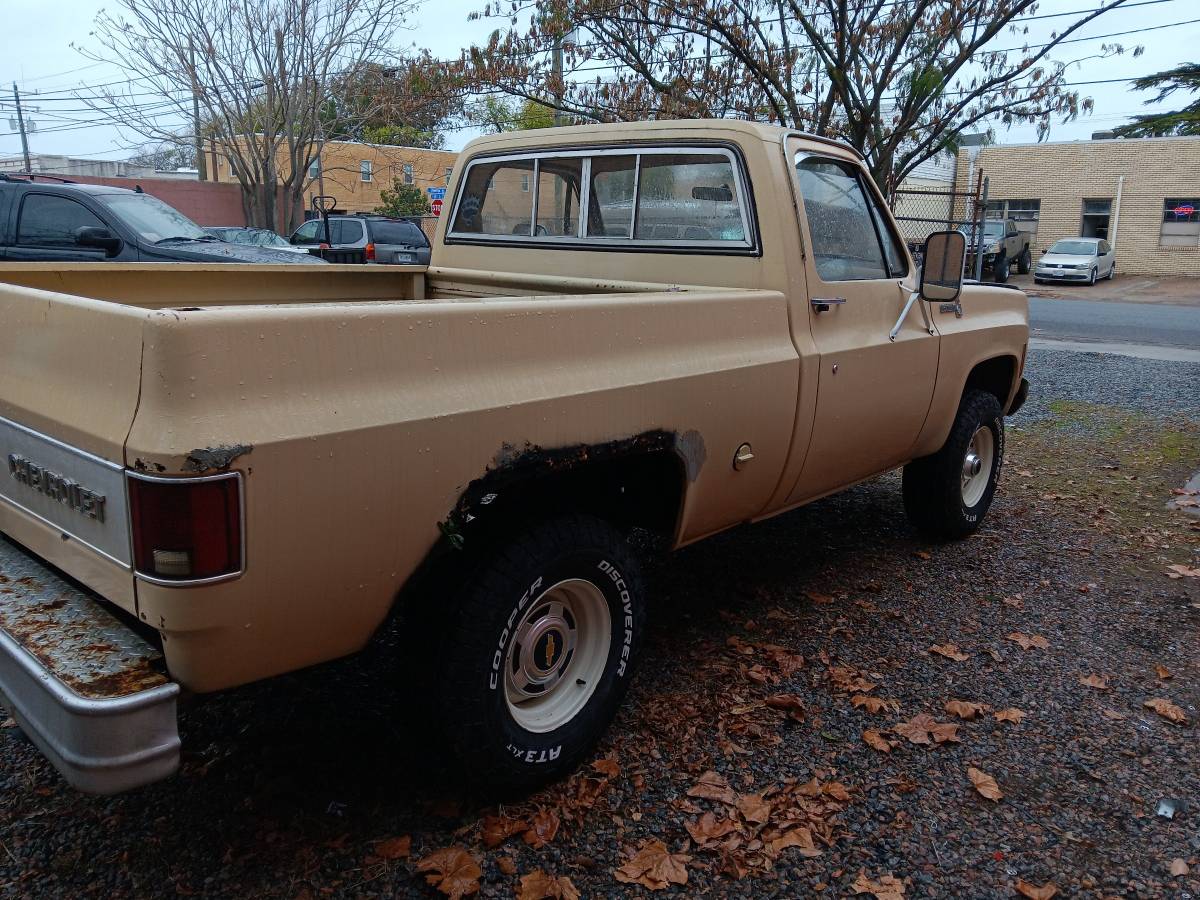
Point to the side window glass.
(897, 262)
(688, 197)
(611, 213)
(558, 196)
(50, 221)
(844, 243)
(346, 231)
(492, 201)
(309, 233)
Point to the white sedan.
(1076, 259)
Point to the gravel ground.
(296, 788)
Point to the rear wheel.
(536, 659)
(947, 494)
(1025, 262)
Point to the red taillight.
(186, 529)
(370, 252)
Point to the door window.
(845, 246)
(309, 233)
(51, 221)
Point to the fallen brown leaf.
(1099, 682)
(1163, 672)
(607, 766)
(965, 709)
(507, 865)
(654, 866)
(452, 870)
(498, 829)
(789, 704)
(1167, 710)
(950, 651)
(877, 741)
(713, 786)
(1029, 640)
(1182, 572)
(1179, 868)
(873, 704)
(984, 783)
(708, 828)
(945, 731)
(836, 790)
(542, 828)
(888, 887)
(537, 885)
(394, 848)
(798, 837)
(1113, 714)
(754, 808)
(1011, 714)
(924, 729)
(1033, 892)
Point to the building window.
(1180, 222)
(366, 171)
(1094, 222)
(408, 173)
(232, 168)
(525, 184)
(449, 169)
(314, 170)
(1024, 212)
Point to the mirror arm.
(912, 298)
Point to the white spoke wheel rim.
(977, 465)
(557, 655)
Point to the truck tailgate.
(70, 371)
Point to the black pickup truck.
(52, 221)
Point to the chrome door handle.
(822, 304)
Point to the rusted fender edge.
(512, 466)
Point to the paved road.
(1135, 323)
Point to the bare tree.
(255, 75)
(900, 80)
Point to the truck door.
(45, 230)
(872, 393)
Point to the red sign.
(436, 207)
(1184, 210)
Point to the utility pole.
(557, 62)
(197, 137)
(21, 124)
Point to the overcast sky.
(36, 52)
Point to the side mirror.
(98, 237)
(942, 272)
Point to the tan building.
(1141, 194)
(356, 174)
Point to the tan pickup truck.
(219, 474)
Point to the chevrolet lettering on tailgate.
(57, 487)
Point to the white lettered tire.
(536, 659)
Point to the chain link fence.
(921, 211)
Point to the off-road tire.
(1000, 269)
(933, 490)
(473, 714)
(1025, 262)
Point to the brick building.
(356, 174)
(1142, 194)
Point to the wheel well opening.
(994, 376)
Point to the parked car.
(253, 237)
(67, 222)
(1077, 259)
(1003, 244)
(248, 475)
(382, 239)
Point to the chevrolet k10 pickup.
(216, 474)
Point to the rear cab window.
(675, 197)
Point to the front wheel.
(1000, 269)
(1025, 262)
(947, 494)
(1092, 277)
(537, 657)
(1112, 271)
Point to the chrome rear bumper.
(86, 689)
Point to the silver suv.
(382, 240)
